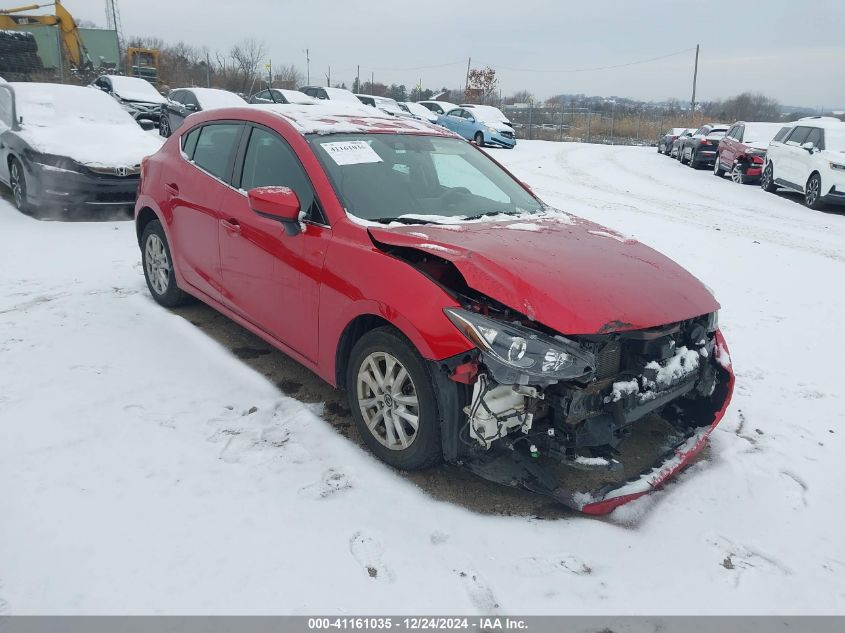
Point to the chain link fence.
(581, 125)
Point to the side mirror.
(191, 107)
(809, 147)
(277, 203)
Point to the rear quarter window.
(215, 147)
(189, 142)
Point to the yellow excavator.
(73, 49)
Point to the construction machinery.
(143, 63)
(73, 49)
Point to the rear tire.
(717, 167)
(813, 192)
(767, 180)
(157, 263)
(737, 176)
(390, 389)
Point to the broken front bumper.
(653, 452)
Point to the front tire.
(693, 164)
(158, 267)
(17, 183)
(479, 139)
(682, 156)
(767, 180)
(813, 192)
(392, 399)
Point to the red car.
(466, 319)
(742, 151)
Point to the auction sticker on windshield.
(351, 152)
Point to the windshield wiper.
(490, 214)
(402, 220)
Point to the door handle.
(231, 225)
(172, 188)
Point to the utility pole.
(207, 70)
(307, 67)
(612, 120)
(329, 78)
(466, 82)
(694, 81)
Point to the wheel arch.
(142, 219)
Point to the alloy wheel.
(17, 184)
(157, 264)
(388, 401)
(737, 176)
(811, 196)
(164, 126)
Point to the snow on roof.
(821, 121)
(486, 112)
(210, 98)
(294, 96)
(135, 89)
(336, 118)
(339, 94)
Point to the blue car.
(468, 124)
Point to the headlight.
(522, 348)
(61, 163)
(492, 130)
(837, 166)
(712, 322)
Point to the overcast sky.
(791, 50)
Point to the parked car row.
(807, 156)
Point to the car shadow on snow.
(444, 482)
(798, 198)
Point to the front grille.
(114, 196)
(609, 360)
(117, 172)
(507, 134)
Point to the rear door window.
(215, 148)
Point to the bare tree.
(246, 58)
(287, 77)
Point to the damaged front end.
(593, 421)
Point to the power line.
(594, 68)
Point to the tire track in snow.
(701, 215)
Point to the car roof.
(334, 118)
(818, 121)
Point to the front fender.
(361, 280)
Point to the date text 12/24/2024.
(418, 623)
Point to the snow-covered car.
(281, 95)
(742, 151)
(811, 159)
(488, 113)
(467, 320)
(182, 102)
(438, 107)
(675, 150)
(419, 111)
(479, 126)
(137, 96)
(68, 147)
(325, 93)
(385, 104)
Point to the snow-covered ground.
(144, 469)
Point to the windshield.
(382, 177)
(135, 89)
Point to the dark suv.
(700, 148)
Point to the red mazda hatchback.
(467, 320)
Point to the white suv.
(810, 159)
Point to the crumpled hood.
(569, 274)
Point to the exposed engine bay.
(535, 398)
